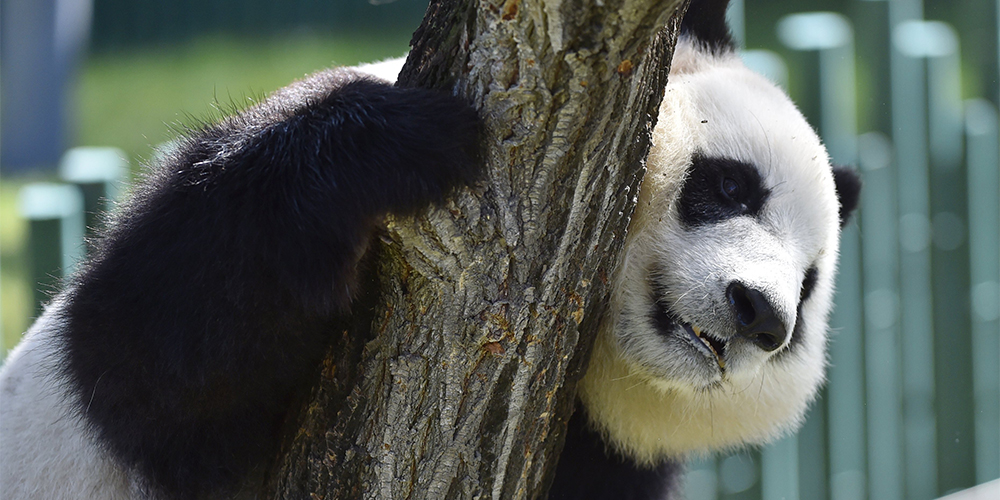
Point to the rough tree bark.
(458, 373)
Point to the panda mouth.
(715, 345)
(667, 322)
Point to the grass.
(135, 99)
(15, 292)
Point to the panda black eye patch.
(718, 189)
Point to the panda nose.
(755, 317)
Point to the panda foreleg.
(590, 469)
(209, 300)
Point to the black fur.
(704, 200)
(589, 470)
(808, 284)
(848, 184)
(806, 291)
(705, 20)
(208, 302)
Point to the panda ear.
(848, 184)
(706, 21)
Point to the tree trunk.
(458, 373)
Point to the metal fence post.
(954, 402)
(736, 19)
(767, 63)
(832, 441)
(882, 472)
(882, 357)
(983, 159)
(97, 172)
(701, 481)
(55, 234)
(909, 94)
(740, 476)
(939, 423)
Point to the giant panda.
(164, 369)
(717, 331)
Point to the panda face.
(720, 286)
(718, 327)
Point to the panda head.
(718, 326)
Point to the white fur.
(47, 452)
(655, 397)
(387, 69)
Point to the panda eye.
(730, 188)
(720, 188)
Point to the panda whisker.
(633, 386)
(623, 377)
(94, 391)
(749, 384)
(760, 388)
(701, 285)
(685, 294)
(767, 137)
(711, 415)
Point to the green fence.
(912, 405)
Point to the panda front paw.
(417, 145)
